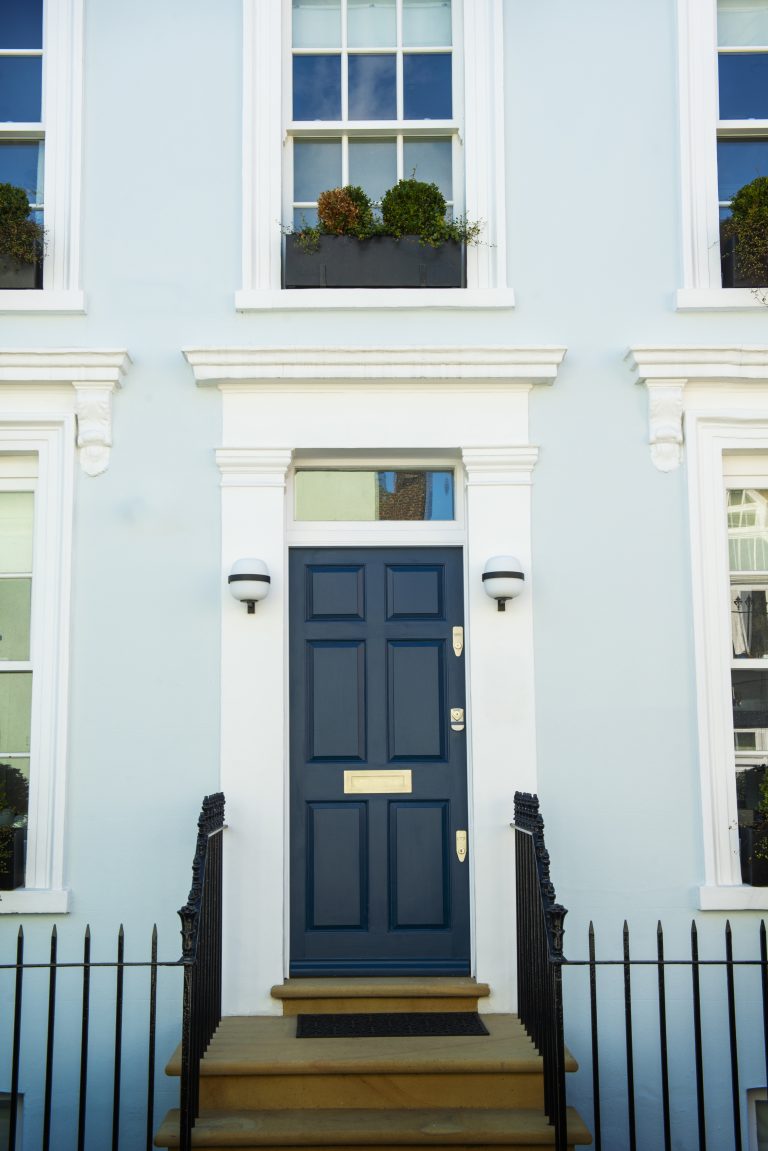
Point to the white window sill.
(720, 299)
(301, 299)
(41, 300)
(25, 901)
(735, 898)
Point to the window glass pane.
(373, 165)
(15, 601)
(22, 164)
(371, 24)
(761, 1115)
(15, 711)
(429, 160)
(316, 23)
(21, 24)
(738, 163)
(372, 94)
(427, 23)
(21, 88)
(749, 622)
(316, 167)
(748, 529)
(741, 23)
(304, 218)
(427, 86)
(16, 511)
(752, 810)
(744, 86)
(317, 87)
(374, 495)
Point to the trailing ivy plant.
(411, 208)
(748, 224)
(21, 239)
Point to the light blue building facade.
(596, 397)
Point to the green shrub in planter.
(21, 239)
(414, 208)
(748, 225)
(345, 211)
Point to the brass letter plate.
(377, 782)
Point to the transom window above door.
(373, 97)
(368, 495)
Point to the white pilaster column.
(253, 727)
(502, 717)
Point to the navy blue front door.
(378, 773)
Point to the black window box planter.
(731, 278)
(16, 275)
(380, 262)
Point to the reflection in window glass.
(21, 163)
(426, 23)
(16, 518)
(742, 23)
(744, 86)
(739, 162)
(747, 518)
(317, 23)
(427, 86)
(21, 88)
(371, 23)
(373, 165)
(15, 605)
(431, 161)
(372, 87)
(317, 87)
(374, 495)
(316, 166)
(21, 26)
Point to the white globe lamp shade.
(249, 581)
(503, 578)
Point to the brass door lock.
(457, 719)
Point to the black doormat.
(386, 1024)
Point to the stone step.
(256, 1062)
(342, 996)
(387, 1130)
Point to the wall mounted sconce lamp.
(249, 582)
(503, 579)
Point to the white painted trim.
(264, 62)
(89, 378)
(697, 35)
(62, 118)
(230, 365)
(346, 405)
(27, 902)
(716, 400)
(42, 300)
(49, 437)
(735, 898)
(720, 299)
(387, 299)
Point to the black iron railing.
(692, 1030)
(201, 935)
(80, 1083)
(59, 996)
(540, 957)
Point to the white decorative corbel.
(93, 409)
(665, 419)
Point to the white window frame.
(49, 441)
(266, 57)
(58, 404)
(704, 402)
(699, 128)
(61, 129)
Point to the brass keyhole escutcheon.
(457, 719)
(461, 845)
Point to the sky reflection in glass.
(373, 165)
(21, 164)
(21, 24)
(738, 163)
(317, 87)
(372, 91)
(316, 167)
(430, 161)
(316, 23)
(371, 24)
(744, 86)
(21, 88)
(427, 86)
(427, 23)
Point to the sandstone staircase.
(261, 1088)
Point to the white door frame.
(282, 404)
